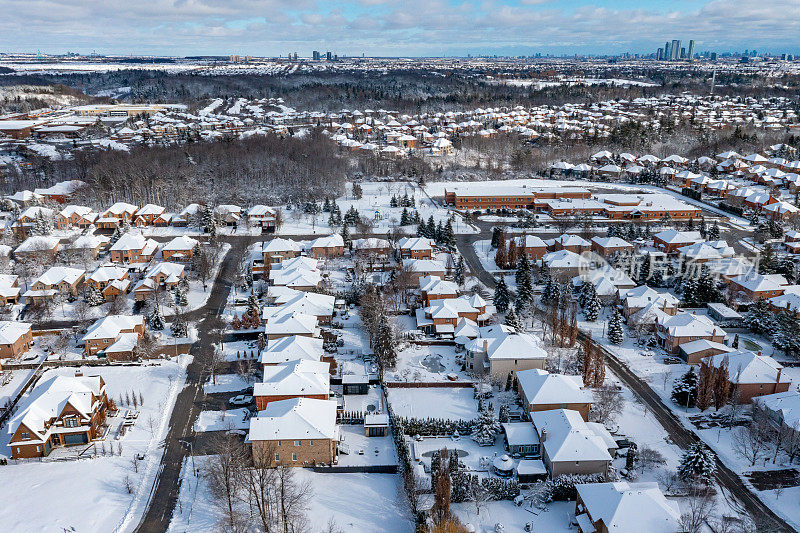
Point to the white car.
(242, 399)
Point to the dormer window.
(25, 435)
(71, 422)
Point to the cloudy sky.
(395, 27)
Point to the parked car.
(242, 399)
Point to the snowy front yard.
(434, 402)
(97, 483)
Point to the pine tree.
(385, 346)
(404, 218)
(767, 261)
(684, 390)
(703, 229)
(722, 385)
(346, 233)
(615, 333)
(501, 297)
(707, 290)
(449, 236)
(155, 321)
(689, 291)
(459, 274)
(523, 268)
(431, 231)
(587, 293)
(253, 306)
(487, 427)
(698, 464)
(713, 233)
(497, 236)
(592, 311)
(357, 192)
(94, 296)
(513, 321)
(179, 327)
(393, 201)
(525, 296)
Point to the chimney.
(778, 377)
(79, 373)
(759, 353)
(543, 435)
(485, 346)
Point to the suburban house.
(372, 247)
(296, 379)
(63, 280)
(622, 506)
(695, 351)
(564, 264)
(9, 289)
(263, 216)
(498, 353)
(443, 315)
(750, 374)
(61, 411)
(299, 273)
(87, 245)
(299, 324)
(295, 432)
(26, 221)
(164, 276)
(75, 216)
(608, 246)
(131, 248)
(415, 248)
(521, 438)
(636, 299)
(783, 409)
(120, 212)
(753, 286)
(435, 288)
(424, 267)
(328, 246)
(278, 250)
(686, 327)
(542, 391)
(179, 249)
(309, 303)
(39, 248)
(115, 335)
(569, 445)
(15, 338)
(109, 280)
(532, 246)
(573, 243)
(670, 240)
(148, 214)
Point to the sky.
(395, 27)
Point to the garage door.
(76, 439)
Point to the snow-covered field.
(353, 502)
(223, 420)
(226, 383)
(97, 483)
(434, 402)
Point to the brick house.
(328, 246)
(608, 246)
(415, 248)
(75, 216)
(295, 432)
(542, 391)
(676, 330)
(61, 411)
(296, 379)
(533, 246)
(113, 329)
(132, 248)
(750, 374)
(180, 249)
(15, 338)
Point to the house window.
(71, 422)
(25, 436)
(294, 457)
(297, 443)
(311, 443)
(277, 457)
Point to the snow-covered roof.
(415, 243)
(504, 345)
(689, 325)
(11, 331)
(292, 324)
(568, 437)
(673, 236)
(630, 507)
(280, 245)
(786, 404)
(56, 274)
(542, 387)
(302, 378)
(309, 303)
(109, 327)
(745, 367)
(291, 348)
(328, 241)
(295, 419)
(180, 243)
(37, 243)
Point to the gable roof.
(568, 437)
(542, 387)
(295, 419)
(630, 507)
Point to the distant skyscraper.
(329, 55)
(660, 54)
(683, 53)
(691, 49)
(675, 49)
(315, 54)
(667, 51)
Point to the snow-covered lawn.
(434, 402)
(223, 420)
(426, 363)
(354, 502)
(554, 519)
(97, 483)
(376, 450)
(226, 383)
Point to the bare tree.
(222, 470)
(293, 497)
(608, 404)
(753, 439)
(700, 507)
(261, 480)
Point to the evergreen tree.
(760, 318)
(592, 311)
(497, 236)
(587, 292)
(385, 345)
(684, 390)
(689, 291)
(207, 219)
(357, 192)
(523, 268)
(698, 464)
(94, 296)
(253, 306)
(179, 326)
(703, 229)
(767, 262)
(487, 427)
(501, 297)
(459, 274)
(115, 236)
(615, 333)
(449, 237)
(392, 202)
(513, 321)
(547, 292)
(707, 290)
(501, 256)
(713, 233)
(404, 221)
(155, 321)
(431, 231)
(346, 233)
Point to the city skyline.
(382, 28)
